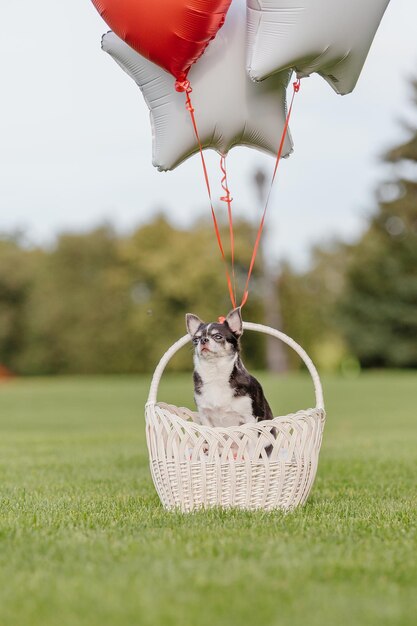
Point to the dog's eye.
(218, 337)
(196, 340)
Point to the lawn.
(85, 542)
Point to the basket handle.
(260, 328)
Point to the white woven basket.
(196, 466)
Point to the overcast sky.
(75, 139)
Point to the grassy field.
(85, 542)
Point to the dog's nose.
(204, 340)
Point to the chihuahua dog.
(224, 391)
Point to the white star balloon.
(330, 37)
(230, 109)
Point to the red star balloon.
(171, 33)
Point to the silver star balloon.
(230, 109)
(330, 37)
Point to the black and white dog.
(225, 393)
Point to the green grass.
(85, 542)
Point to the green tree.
(77, 308)
(380, 303)
(309, 302)
(17, 270)
(177, 271)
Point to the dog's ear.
(193, 323)
(234, 320)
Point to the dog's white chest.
(217, 403)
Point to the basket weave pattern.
(270, 464)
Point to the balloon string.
(227, 198)
(184, 85)
(296, 88)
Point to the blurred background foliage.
(101, 302)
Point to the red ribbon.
(182, 84)
(186, 87)
(227, 198)
(296, 89)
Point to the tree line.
(99, 302)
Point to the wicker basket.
(246, 466)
